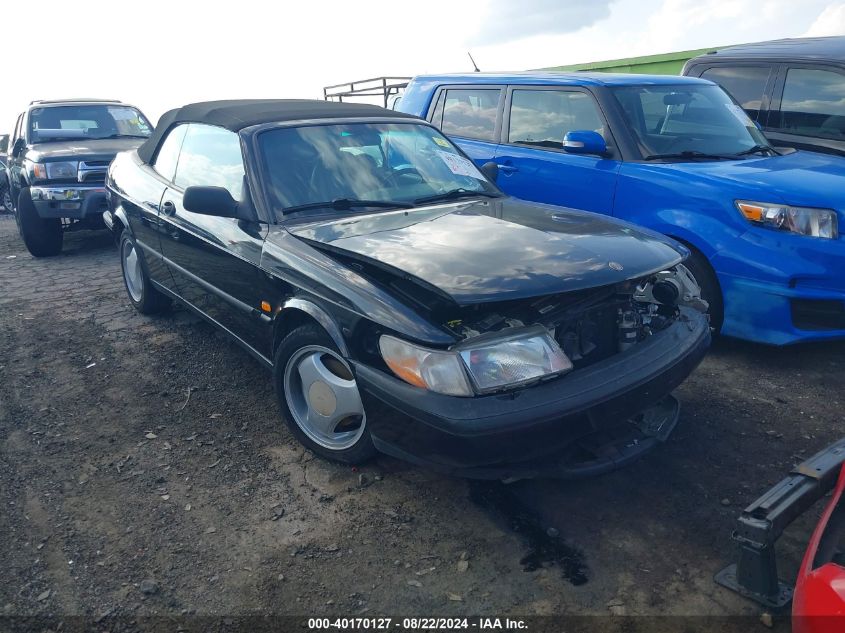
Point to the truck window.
(543, 117)
(471, 113)
(746, 84)
(812, 103)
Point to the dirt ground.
(144, 471)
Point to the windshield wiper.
(454, 194)
(119, 136)
(692, 154)
(758, 149)
(344, 204)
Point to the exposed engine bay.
(594, 324)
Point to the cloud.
(508, 21)
(831, 21)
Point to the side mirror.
(491, 170)
(584, 142)
(18, 146)
(216, 201)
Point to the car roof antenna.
(474, 65)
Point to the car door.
(215, 260)
(142, 196)
(532, 162)
(471, 117)
(808, 110)
(750, 85)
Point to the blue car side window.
(542, 118)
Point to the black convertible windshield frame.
(396, 160)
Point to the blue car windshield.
(401, 163)
(688, 120)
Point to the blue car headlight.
(801, 220)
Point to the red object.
(818, 605)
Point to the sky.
(161, 54)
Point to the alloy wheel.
(323, 397)
(132, 273)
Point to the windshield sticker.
(739, 113)
(123, 114)
(442, 142)
(459, 165)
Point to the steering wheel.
(406, 171)
(679, 139)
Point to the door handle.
(168, 208)
(507, 169)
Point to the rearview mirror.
(215, 201)
(584, 142)
(491, 170)
(677, 98)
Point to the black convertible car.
(402, 302)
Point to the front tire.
(711, 291)
(144, 296)
(319, 397)
(5, 198)
(41, 236)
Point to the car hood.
(800, 178)
(500, 249)
(94, 149)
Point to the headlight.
(800, 220)
(430, 369)
(492, 363)
(514, 360)
(66, 170)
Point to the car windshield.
(89, 121)
(399, 164)
(688, 121)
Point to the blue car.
(677, 155)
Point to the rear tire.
(308, 351)
(145, 297)
(42, 237)
(711, 291)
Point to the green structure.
(664, 64)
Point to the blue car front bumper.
(780, 288)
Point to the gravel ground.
(144, 471)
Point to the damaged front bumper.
(583, 424)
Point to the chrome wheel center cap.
(322, 398)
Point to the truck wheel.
(5, 198)
(319, 397)
(144, 296)
(42, 237)
(711, 291)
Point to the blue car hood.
(800, 179)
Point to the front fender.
(707, 234)
(120, 214)
(320, 316)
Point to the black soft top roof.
(236, 115)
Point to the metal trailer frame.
(384, 87)
(761, 524)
